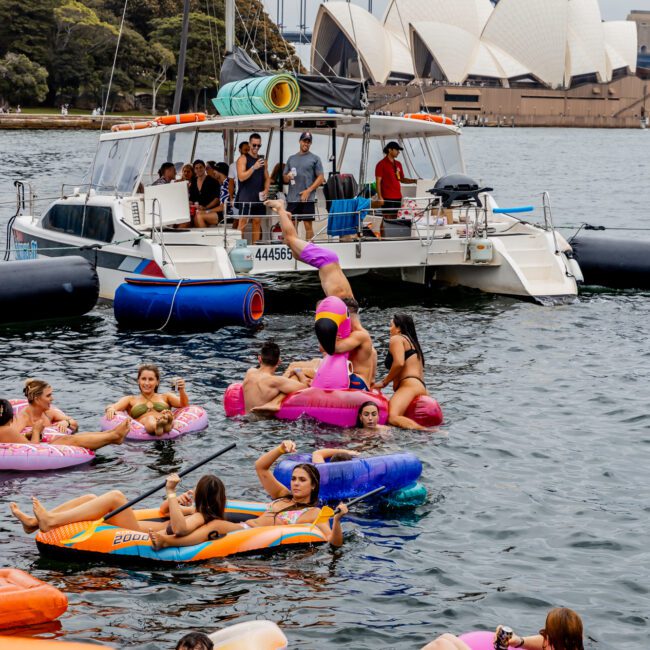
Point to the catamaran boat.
(449, 230)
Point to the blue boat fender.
(196, 305)
(351, 478)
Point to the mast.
(180, 73)
(230, 25)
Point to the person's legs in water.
(30, 523)
(408, 390)
(331, 274)
(96, 439)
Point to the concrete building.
(642, 20)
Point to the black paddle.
(91, 529)
(327, 513)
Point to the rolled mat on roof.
(279, 93)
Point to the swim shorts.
(317, 256)
(357, 383)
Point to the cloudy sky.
(611, 9)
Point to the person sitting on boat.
(11, 429)
(389, 177)
(298, 505)
(368, 417)
(166, 174)
(362, 354)
(187, 174)
(304, 174)
(254, 181)
(150, 408)
(204, 190)
(331, 275)
(208, 497)
(261, 385)
(206, 217)
(405, 365)
(563, 631)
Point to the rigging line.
(399, 14)
(108, 94)
(253, 48)
(361, 72)
(214, 60)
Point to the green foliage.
(75, 40)
(22, 80)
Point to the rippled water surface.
(538, 489)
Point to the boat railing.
(25, 197)
(548, 219)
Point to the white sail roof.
(365, 33)
(552, 41)
(470, 15)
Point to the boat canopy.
(128, 160)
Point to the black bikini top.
(388, 361)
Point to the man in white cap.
(304, 174)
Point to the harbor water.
(537, 483)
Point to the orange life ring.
(133, 126)
(427, 117)
(25, 600)
(182, 118)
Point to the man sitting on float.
(261, 385)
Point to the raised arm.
(263, 465)
(180, 400)
(321, 455)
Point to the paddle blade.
(87, 534)
(325, 514)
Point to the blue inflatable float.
(196, 305)
(352, 478)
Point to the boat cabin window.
(177, 148)
(446, 154)
(96, 223)
(119, 164)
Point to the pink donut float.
(188, 419)
(479, 640)
(49, 433)
(41, 456)
(337, 407)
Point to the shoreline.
(52, 121)
(14, 121)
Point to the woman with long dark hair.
(209, 498)
(298, 505)
(405, 365)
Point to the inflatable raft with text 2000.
(121, 546)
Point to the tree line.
(57, 52)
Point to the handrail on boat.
(548, 219)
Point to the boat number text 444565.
(274, 253)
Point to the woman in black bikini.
(405, 365)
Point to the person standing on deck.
(254, 184)
(304, 174)
(390, 175)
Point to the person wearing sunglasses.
(254, 182)
(562, 631)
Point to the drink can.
(175, 381)
(504, 634)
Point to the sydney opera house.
(559, 53)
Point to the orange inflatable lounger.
(25, 600)
(118, 545)
(20, 643)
